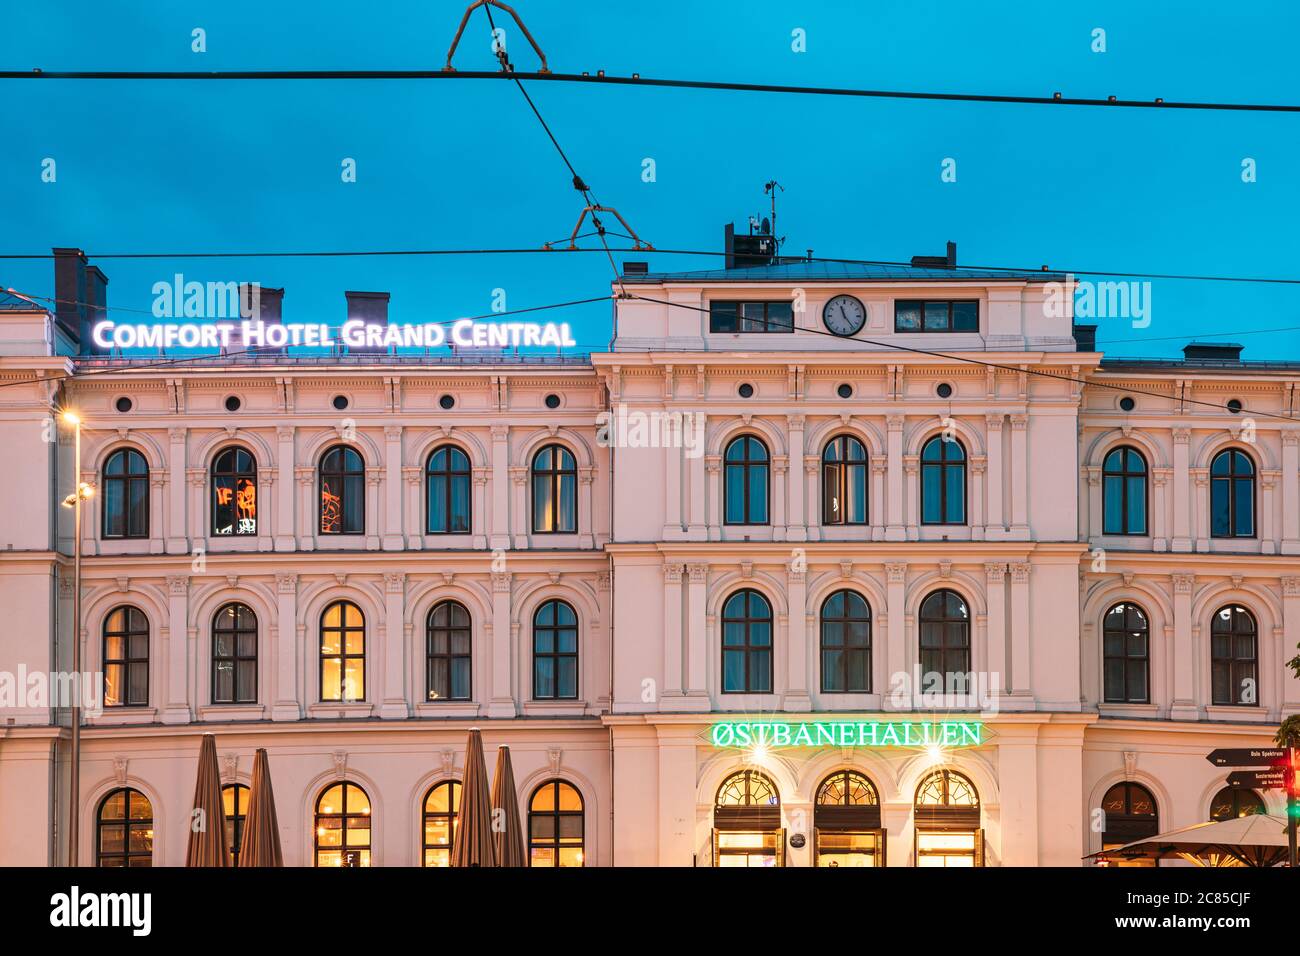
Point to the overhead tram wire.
(579, 183)
(637, 79)
(987, 364)
(534, 250)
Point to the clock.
(844, 315)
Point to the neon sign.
(463, 333)
(847, 733)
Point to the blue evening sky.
(256, 166)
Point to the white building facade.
(736, 515)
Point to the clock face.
(844, 315)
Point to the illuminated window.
(234, 806)
(1131, 814)
(1124, 492)
(234, 493)
(746, 644)
(343, 826)
(342, 652)
(342, 492)
(555, 652)
(441, 808)
(745, 490)
(447, 491)
(943, 482)
(555, 825)
(1233, 802)
(945, 640)
(844, 481)
(555, 491)
(1234, 656)
(947, 818)
(124, 829)
(846, 643)
(234, 655)
(126, 658)
(747, 822)
(846, 822)
(1126, 649)
(448, 652)
(126, 495)
(941, 315)
(1232, 495)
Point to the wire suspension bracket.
(505, 67)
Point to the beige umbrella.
(207, 826)
(507, 835)
(261, 843)
(1257, 839)
(472, 843)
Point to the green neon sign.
(847, 733)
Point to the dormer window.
(936, 315)
(733, 316)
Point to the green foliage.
(1288, 734)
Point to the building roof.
(803, 270)
(1122, 363)
(13, 302)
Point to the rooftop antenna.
(770, 188)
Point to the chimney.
(952, 254)
(270, 303)
(1085, 338)
(946, 261)
(635, 268)
(70, 291)
(96, 308)
(1213, 353)
(372, 309)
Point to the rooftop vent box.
(636, 268)
(1212, 352)
(744, 252)
(946, 261)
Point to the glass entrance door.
(953, 848)
(850, 848)
(747, 848)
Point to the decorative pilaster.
(796, 518)
(176, 709)
(895, 529)
(697, 637)
(896, 651)
(283, 512)
(395, 705)
(674, 649)
(797, 697)
(1020, 477)
(1184, 701)
(1021, 679)
(393, 539)
(500, 525)
(1182, 489)
(288, 704)
(176, 543)
(502, 703)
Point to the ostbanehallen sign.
(846, 733)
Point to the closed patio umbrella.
(472, 843)
(509, 837)
(207, 846)
(261, 843)
(1258, 839)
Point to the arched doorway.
(846, 822)
(747, 822)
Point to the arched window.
(342, 652)
(441, 809)
(234, 805)
(746, 644)
(943, 481)
(555, 491)
(126, 495)
(747, 822)
(234, 493)
(846, 644)
(945, 640)
(1130, 815)
(1126, 655)
(745, 481)
(126, 658)
(947, 816)
(1234, 656)
(448, 652)
(343, 825)
(1124, 492)
(844, 481)
(846, 822)
(446, 479)
(124, 829)
(1233, 802)
(234, 655)
(555, 652)
(555, 825)
(342, 491)
(1232, 495)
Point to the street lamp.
(74, 501)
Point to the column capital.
(1183, 583)
(284, 432)
(896, 572)
(393, 432)
(1020, 572)
(699, 573)
(1182, 436)
(286, 583)
(178, 585)
(994, 572)
(394, 582)
(673, 572)
(1291, 586)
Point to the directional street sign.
(1246, 757)
(1258, 779)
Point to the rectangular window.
(734, 316)
(936, 315)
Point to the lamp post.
(74, 501)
